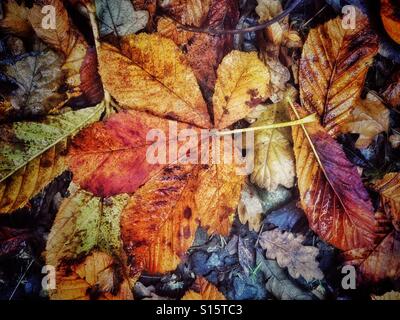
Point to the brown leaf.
(392, 92)
(390, 18)
(203, 290)
(333, 68)
(189, 12)
(333, 197)
(15, 19)
(288, 250)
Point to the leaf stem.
(308, 119)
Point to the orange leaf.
(390, 18)
(203, 290)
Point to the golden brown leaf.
(242, 83)
(15, 19)
(333, 68)
(389, 190)
(392, 295)
(189, 12)
(390, 18)
(203, 290)
(250, 208)
(153, 76)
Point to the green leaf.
(22, 142)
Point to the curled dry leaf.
(278, 282)
(33, 154)
(333, 68)
(203, 290)
(274, 159)
(333, 196)
(15, 18)
(155, 77)
(242, 84)
(250, 209)
(289, 252)
(83, 245)
(369, 118)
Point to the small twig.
(255, 28)
(20, 279)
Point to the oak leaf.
(15, 19)
(369, 118)
(33, 154)
(333, 68)
(332, 194)
(203, 290)
(288, 250)
(274, 163)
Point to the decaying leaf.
(120, 18)
(289, 252)
(333, 196)
(369, 118)
(242, 83)
(250, 209)
(152, 75)
(333, 68)
(389, 190)
(278, 282)
(80, 64)
(203, 290)
(15, 18)
(84, 244)
(189, 12)
(274, 159)
(33, 154)
(39, 80)
(392, 92)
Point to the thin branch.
(255, 28)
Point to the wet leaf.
(242, 83)
(333, 197)
(333, 68)
(289, 252)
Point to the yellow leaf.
(250, 208)
(242, 84)
(369, 118)
(152, 75)
(274, 162)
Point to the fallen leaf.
(250, 208)
(120, 18)
(288, 250)
(15, 19)
(39, 79)
(333, 196)
(390, 18)
(12, 240)
(33, 154)
(274, 162)
(333, 68)
(389, 190)
(80, 64)
(155, 78)
(278, 282)
(203, 290)
(392, 93)
(84, 246)
(188, 12)
(369, 118)
(391, 295)
(379, 263)
(246, 256)
(242, 83)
